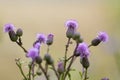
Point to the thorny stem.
(70, 57)
(56, 72)
(71, 62)
(29, 75)
(48, 49)
(20, 68)
(46, 65)
(89, 45)
(83, 71)
(22, 47)
(31, 68)
(46, 76)
(85, 78)
(66, 50)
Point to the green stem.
(46, 76)
(20, 68)
(85, 78)
(48, 49)
(46, 67)
(66, 50)
(89, 45)
(31, 66)
(71, 62)
(56, 72)
(70, 57)
(22, 47)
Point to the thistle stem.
(66, 50)
(56, 73)
(22, 47)
(71, 62)
(46, 76)
(20, 68)
(85, 78)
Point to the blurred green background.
(49, 16)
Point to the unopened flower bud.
(95, 42)
(85, 62)
(50, 62)
(70, 32)
(79, 40)
(13, 36)
(76, 36)
(29, 64)
(38, 60)
(19, 32)
(49, 39)
(48, 59)
(60, 67)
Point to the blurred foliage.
(117, 58)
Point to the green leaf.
(72, 69)
(80, 75)
(69, 76)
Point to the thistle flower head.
(37, 45)
(105, 79)
(83, 50)
(41, 38)
(72, 26)
(32, 53)
(50, 39)
(103, 36)
(8, 27)
(60, 67)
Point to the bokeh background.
(49, 16)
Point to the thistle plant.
(38, 65)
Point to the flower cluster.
(63, 69)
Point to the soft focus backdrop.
(49, 16)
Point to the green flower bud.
(80, 40)
(70, 32)
(76, 36)
(38, 60)
(48, 59)
(50, 62)
(95, 42)
(19, 32)
(49, 39)
(60, 68)
(85, 62)
(13, 36)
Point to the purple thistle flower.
(49, 39)
(103, 36)
(83, 50)
(72, 26)
(8, 27)
(37, 45)
(32, 53)
(60, 67)
(41, 38)
(105, 79)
